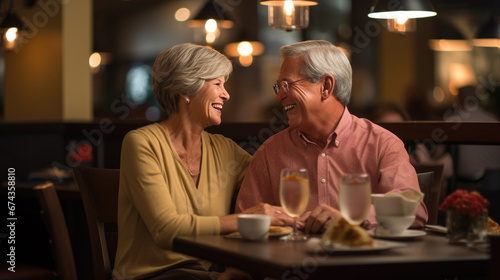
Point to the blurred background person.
(473, 160)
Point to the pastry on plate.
(342, 232)
(493, 227)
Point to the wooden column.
(48, 77)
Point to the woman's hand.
(278, 215)
(319, 219)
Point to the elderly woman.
(175, 178)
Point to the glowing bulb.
(401, 19)
(210, 37)
(211, 25)
(288, 7)
(246, 60)
(11, 34)
(95, 60)
(245, 48)
(182, 14)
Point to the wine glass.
(355, 197)
(294, 197)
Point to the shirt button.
(323, 154)
(323, 180)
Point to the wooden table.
(425, 257)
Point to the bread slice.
(342, 232)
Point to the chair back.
(431, 195)
(99, 190)
(55, 224)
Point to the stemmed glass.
(355, 197)
(294, 197)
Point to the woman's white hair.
(183, 69)
(322, 58)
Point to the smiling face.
(206, 106)
(303, 99)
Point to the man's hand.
(317, 221)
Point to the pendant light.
(390, 9)
(489, 34)
(401, 25)
(211, 18)
(288, 15)
(11, 26)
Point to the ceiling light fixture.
(450, 39)
(489, 34)
(11, 25)
(401, 25)
(211, 18)
(390, 9)
(288, 15)
(245, 51)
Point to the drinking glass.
(294, 197)
(355, 197)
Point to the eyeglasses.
(284, 85)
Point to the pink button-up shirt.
(356, 146)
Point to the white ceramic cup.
(254, 227)
(396, 225)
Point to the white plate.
(315, 245)
(407, 234)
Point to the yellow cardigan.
(158, 200)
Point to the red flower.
(467, 203)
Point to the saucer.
(407, 234)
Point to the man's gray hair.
(322, 58)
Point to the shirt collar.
(344, 123)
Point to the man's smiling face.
(303, 99)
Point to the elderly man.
(314, 88)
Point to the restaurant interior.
(76, 79)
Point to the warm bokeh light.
(401, 20)
(460, 75)
(182, 14)
(288, 7)
(11, 34)
(438, 94)
(95, 60)
(246, 60)
(210, 37)
(245, 48)
(211, 25)
(487, 43)
(401, 25)
(444, 45)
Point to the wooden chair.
(431, 197)
(99, 190)
(56, 226)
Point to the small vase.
(464, 228)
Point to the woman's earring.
(188, 101)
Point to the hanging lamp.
(11, 26)
(288, 15)
(489, 34)
(390, 9)
(211, 18)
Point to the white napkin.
(410, 200)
